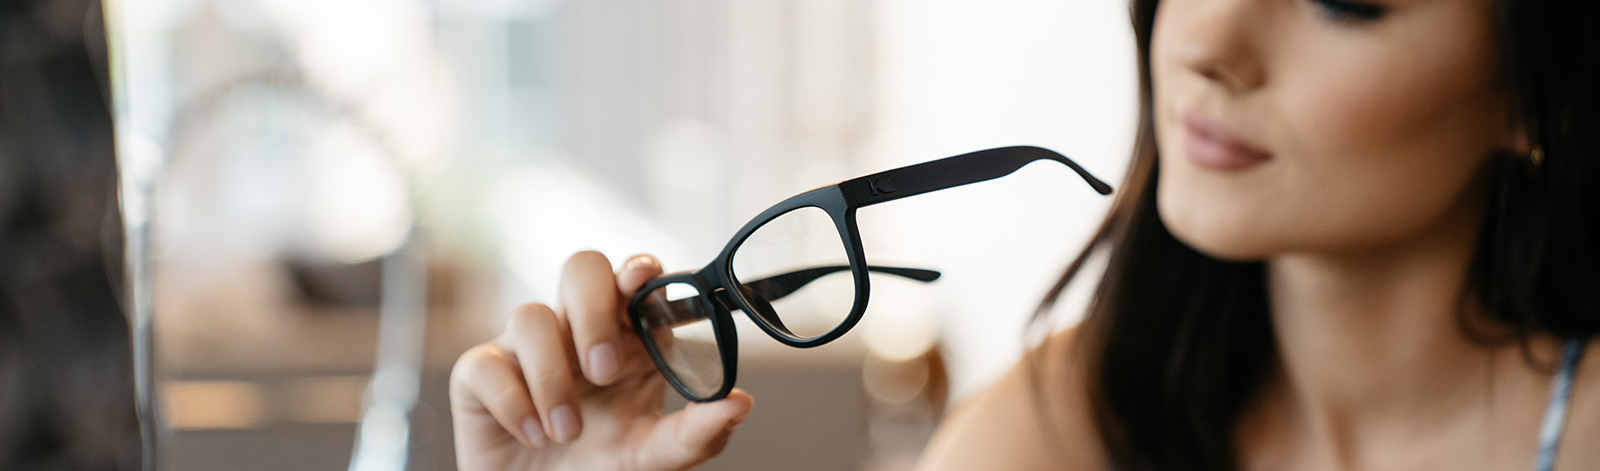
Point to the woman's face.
(1322, 125)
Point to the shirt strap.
(1555, 415)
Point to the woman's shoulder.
(1036, 416)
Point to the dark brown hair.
(66, 370)
(1176, 342)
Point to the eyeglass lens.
(801, 243)
(683, 334)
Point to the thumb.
(694, 434)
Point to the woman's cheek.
(1385, 154)
(1342, 114)
(1375, 102)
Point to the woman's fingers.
(594, 300)
(542, 346)
(694, 434)
(633, 358)
(486, 381)
(590, 301)
(635, 272)
(527, 388)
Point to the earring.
(1537, 156)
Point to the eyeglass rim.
(830, 200)
(722, 329)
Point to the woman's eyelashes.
(1346, 11)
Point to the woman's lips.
(1210, 144)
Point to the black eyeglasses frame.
(840, 201)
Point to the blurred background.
(332, 199)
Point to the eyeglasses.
(779, 269)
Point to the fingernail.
(639, 261)
(531, 429)
(564, 422)
(603, 363)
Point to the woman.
(1354, 235)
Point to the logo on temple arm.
(880, 187)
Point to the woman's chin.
(1220, 236)
(1224, 248)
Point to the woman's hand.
(573, 388)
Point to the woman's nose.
(1218, 39)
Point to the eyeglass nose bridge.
(759, 304)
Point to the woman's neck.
(1370, 342)
(1375, 333)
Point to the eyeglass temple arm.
(777, 287)
(774, 288)
(955, 171)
